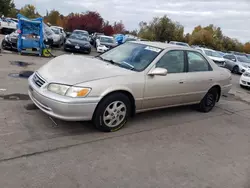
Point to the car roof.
(161, 45)
(206, 49)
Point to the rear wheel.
(235, 70)
(112, 113)
(208, 102)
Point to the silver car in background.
(236, 63)
(131, 78)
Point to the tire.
(112, 112)
(235, 70)
(209, 100)
(3, 44)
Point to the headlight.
(245, 66)
(70, 91)
(77, 92)
(68, 42)
(58, 88)
(6, 37)
(247, 74)
(102, 46)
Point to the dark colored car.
(77, 43)
(10, 41)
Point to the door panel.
(199, 78)
(163, 90)
(166, 90)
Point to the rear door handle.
(181, 82)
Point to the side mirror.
(158, 72)
(234, 60)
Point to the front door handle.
(181, 82)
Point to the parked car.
(237, 64)
(133, 77)
(7, 25)
(77, 43)
(179, 43)
(245, 79)
(213, 55)
(105, 43)
(61, 31)
(10, 41)
(94, 37)
(58, 38)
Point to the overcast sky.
(233, 16)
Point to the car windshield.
(243, 59)
(78, 37)
(132, 56)
(106, 40)
(56, 31)
(81, 33)
(212, 53)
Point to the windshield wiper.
(131, 66)
(116, 63)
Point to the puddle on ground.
(20, 63)
(22, 74)
(15, 97)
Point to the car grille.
(13, 40)
(38, 80)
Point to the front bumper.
(102, 49)
(245, 81)
(73, 48)
(61, 107)
(9, 45)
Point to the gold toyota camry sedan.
(131, 78)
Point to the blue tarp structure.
(119, 38)
(30, 34)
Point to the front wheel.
(112, 113)
(235, 70)
(3, 45)
(208, 102)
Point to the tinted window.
(230, 57)
(197, 63)
(173, 61)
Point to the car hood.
(73, 69)
(216, 58)
(75, 41)
(245, 64)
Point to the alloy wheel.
(114, 114)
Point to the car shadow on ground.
(66, 128)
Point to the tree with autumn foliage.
(29, 11)
(246, 48)
(90, 21)
(119, 28)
